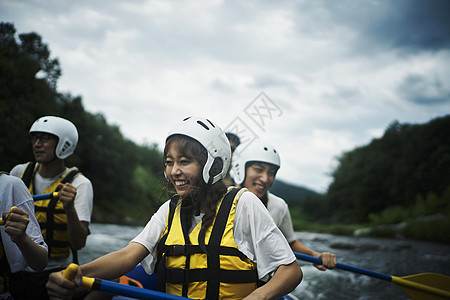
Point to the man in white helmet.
(64, 220)
(255, 167)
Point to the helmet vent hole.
(65, 146)
(203, 125)
(265, 148)
(210, 123)
(216, 167)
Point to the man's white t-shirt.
(83, 202)
(255, 234)
(279, 211)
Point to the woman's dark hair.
(233, 138)
(206, 194)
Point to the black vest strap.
(213, 285)
(69, 178)
(160, 266)
(28, 173)
(177, 250)
(182, 276)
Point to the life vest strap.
(28, 173)
(179, 276)
(56, 211)
(56, 226)
(177, 250)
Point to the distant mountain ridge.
(290, 192)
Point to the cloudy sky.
(313, 78)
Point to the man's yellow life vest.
(184, 269)
(50, 213)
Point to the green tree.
(409, 160)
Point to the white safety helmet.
(257, 151)
(65, 131)
(210, 136)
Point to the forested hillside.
(126, 176)
(408, 163)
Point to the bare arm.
(115, 264)
(109, 266)
(284, 281)
(328, 259)
(15, 226)
(77, 230)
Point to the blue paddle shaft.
(341, 266)
(43, 196)
(134, 292)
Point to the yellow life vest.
(184, 269)
(50, 213)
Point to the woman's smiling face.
(182, 170)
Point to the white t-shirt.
(279, 211)
(83, 202)
(255, 234)
(13, 192)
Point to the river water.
(388, 256)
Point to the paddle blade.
(427, 286)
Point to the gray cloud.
(222, 86)
(406, 25)
(414, 25)
(264, 81)
(424, 90)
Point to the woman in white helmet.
(64, 221)
(206, 242)
(255, 167)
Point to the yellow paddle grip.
(87, 282)
(70, 271)
(5, 216)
